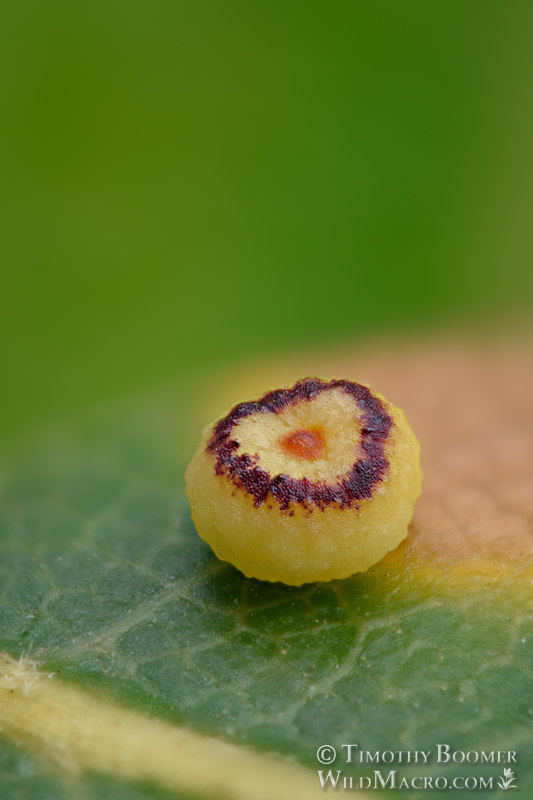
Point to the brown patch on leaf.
(471, 407)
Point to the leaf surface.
(106, 585)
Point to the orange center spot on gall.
(306, 444)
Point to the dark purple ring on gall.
(356, 484)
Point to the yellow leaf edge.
(74, 731)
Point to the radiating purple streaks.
(356, 484)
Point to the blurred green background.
(185, 184)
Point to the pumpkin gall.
(311, 482)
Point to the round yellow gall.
(308, 483)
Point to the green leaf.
(106, 585)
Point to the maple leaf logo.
(507, 780)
